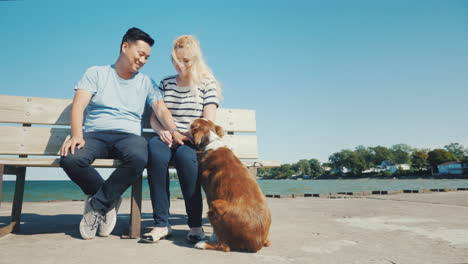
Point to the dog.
(238, 211)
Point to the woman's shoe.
(156, 234)
(195, 236)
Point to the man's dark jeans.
(130, 149)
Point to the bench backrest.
(51, 120)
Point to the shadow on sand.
(34, 224)
(178, 235)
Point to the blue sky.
(321, 75)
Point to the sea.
(36, 191)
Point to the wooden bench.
(51, 120)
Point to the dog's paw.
(200, 245)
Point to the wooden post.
(135, 212)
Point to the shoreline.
(416, 177)
(338, 195)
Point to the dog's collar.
(215, 142)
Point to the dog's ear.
(194, 131)
(197, 138)
(219, 131)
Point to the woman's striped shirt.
(181, 100)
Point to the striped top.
(181, 101)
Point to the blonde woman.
(192, 93)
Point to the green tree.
(316, 169)
(366, 154)
(264, 172)
(419, 158)
(439, 156)
(401, 153)
(456, 149)
(356, 163)
(380, 154)
(284, 171)
(302, 167)
(352, 160)
(338, 160)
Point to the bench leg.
(1, 183)
(9, 228)
(14, 225)
(135, 214)
(18, 199)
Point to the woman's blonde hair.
(200, 73)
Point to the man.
(114, 98)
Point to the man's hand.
(71, 144)
(166, 137)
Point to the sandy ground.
(402, 228)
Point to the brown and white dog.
(238, 210)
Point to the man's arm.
(165, 118)
(80, 101)
(165, 135)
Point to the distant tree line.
(351, 163)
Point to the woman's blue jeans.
(184, 159)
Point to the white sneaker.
(90, 221)
(156, 234)
(109, 220)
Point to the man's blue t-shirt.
(117, 104)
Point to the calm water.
(67, 190)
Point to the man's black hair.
(135, 34)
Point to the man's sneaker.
(156, 234)
(90, 221)
(109, 220)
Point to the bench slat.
(16, 140)
(48, 111)
(53, 162)
(262, 163)
(34, 110)
(101, 163)
(236, 120)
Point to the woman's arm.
(209, 112)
